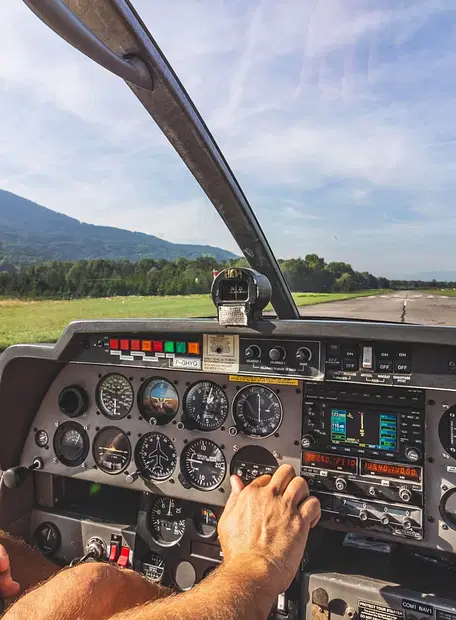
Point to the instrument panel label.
(189, 363)
(270, 380)
(220, 353)
(374, 611)
(421, 608)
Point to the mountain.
(32, 233)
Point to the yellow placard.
(277, 381)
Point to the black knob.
(73, 401)
(405, 494)
(307, 441)
(407, 524)
(363, 515)
(340, 484)
(412, 454)
(130, 478)
(384, 519)
(277, 354)
(252, 352)
(303, 354)
(16, 476)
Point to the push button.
(124, 558)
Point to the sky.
(337, 116)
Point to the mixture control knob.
(276, 354)
(340, 484)
(252, 352)
(412, 454)
(304, 354)
(405, 494)
(307, 441)
(363, 516)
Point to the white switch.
(282, 606)
(367, 357)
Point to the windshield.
(336, 117)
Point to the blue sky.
(338, 117)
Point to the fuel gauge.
(206, 521)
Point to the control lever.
(16, 476)
(96, 551)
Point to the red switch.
(114, 343)
(114, 551)
(124, 558)
(158, 346)
(135, 345)
(125, 345)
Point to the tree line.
(109, 278)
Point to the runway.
(402, 307)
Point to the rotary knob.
(363, 515)
(412, 454)
(307, 441)
(252, 352)
(277, 354)
(384, 519)
(340, 484)
(303, 354)
(405, 494)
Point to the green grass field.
(448, 292)
(43, 321)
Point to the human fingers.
(297, 491)
(8, 587)
(236, 487)
(262, 481)
(310, 511)
(282, 478)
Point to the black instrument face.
(448, 508)
(153, 567)
(252, 462)
(73, 401)
(206, 406)
(447, 431)
(206, 521)
(158, 401)
(41, 438)
(47, 538)
(257, 411)
(115, 396)
(155, 457)
(111, 450)
(167, 521)
(203, 464)
(71, 444)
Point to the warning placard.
(220, 353)
(266, 380)
(374, 611)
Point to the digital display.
(364, 429)
(389, 470)
(330, 461)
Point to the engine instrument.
(115, 396)
(47, 538)
(203, 464)
(206, 521)
(155, 457)
(71, 444)
(158, 401)
(153, 567)
(257, 411)
(206, 406)
(167, 521)
(111, 450)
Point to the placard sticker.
(220, 353)
(374, 611)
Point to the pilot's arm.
(263, 532)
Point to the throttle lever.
(16, 476)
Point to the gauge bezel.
(153, 533)
(37, 434)
(197, 521)
(62, 428)
(94, 445)
(137, 458)
(239, 425)
(449, 519)
(58, 538)
(184, 473)
(99, 401)
(147, 415)
(190, 417)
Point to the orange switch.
(147, 345)
(194, 348)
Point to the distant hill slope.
(32, 233)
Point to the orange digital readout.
(330, 461)
(390, 470)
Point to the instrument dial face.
(155, 457)
(153, 567)
(71, 444)
(167, 521)
(41, 438)
(257, 411)
(206, 405)
(203, 464)
(206, 521)
(47, 538)
(115, 396)
(158, 401)
(111, 450)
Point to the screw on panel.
(276, 455)
(445, 405)
(445, 455)
(55, 460)
(84, 466)
(431, 402)
(86, 428)
(56, 423)
(444, 487)
(350, 612)
(444, 526)
(235, 448)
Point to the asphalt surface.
(403, 306)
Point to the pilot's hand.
(269, 522)
(8, 587)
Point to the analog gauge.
(206, 406)
(206, 521)
(257, 411)
(153, 567)
(111, 450)
(155, 457)
(41, 438)
(203, 464)
(447, 431)
(115, 396)
(167, 521)
(47, 538)
(158, 401)
(71, 444)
